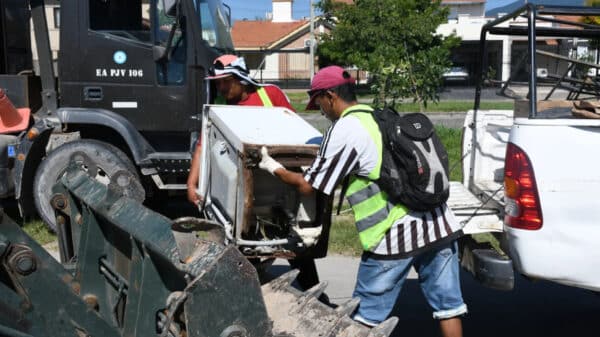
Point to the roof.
(262, 34)
(462, 2)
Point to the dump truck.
(530, 173)
(128, 95)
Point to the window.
(172, 70)
(129, 19)
(56, 16)
(214, 19)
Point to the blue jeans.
(379, 282)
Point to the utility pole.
(311, 48)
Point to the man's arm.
(295, 179)
(289, 177)
(194, 176)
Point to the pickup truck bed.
(479, 200)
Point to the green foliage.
(396, 41)
(451, 138)
(581, 70)
(593, 20)
(343, 237)
(38, 230)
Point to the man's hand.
(192, 196)
(267, 162)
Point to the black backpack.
(414, 168)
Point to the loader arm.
(42, 39)
(127, 273)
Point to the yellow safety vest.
(262, 94)
(373, 213)
(264, 97)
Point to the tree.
(593, 20)
(395, 40)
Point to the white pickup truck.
(532, 175)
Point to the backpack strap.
(345, 184)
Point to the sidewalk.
(338, 271)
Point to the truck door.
(110, 64)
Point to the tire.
(101, 160)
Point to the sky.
(256, 9)
(253, 9)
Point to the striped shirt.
(347, 148)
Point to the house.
(466, 19)
(277, 48)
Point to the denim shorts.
(379, 282)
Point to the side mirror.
(170, 7)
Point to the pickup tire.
(101, 160)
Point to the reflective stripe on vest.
(373, 213)
(264, 97)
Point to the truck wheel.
(99, 159)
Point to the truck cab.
(128, 95)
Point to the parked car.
(456, 74)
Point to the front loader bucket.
(125, 275)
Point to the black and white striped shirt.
(347, 148)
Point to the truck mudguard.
(137, 144)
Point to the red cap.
(327, 78)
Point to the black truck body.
(129, 86)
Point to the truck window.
(172, 71)
(124, 18)
(215, 24)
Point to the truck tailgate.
(477, 215)
(563, 154)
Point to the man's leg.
(378, 286)
(439, 277)
(308, 276)
(451, 327)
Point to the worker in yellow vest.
(394, 238)
(235, 87)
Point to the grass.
(489, 238)
(455, 106)
(451, 138)
(39, 232)
(343, 237)
(300, 99)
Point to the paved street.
(532, 309)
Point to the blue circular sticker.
(120, 57)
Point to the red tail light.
(522, 208)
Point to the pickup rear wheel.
(101, 160)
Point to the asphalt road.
(532, 309)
